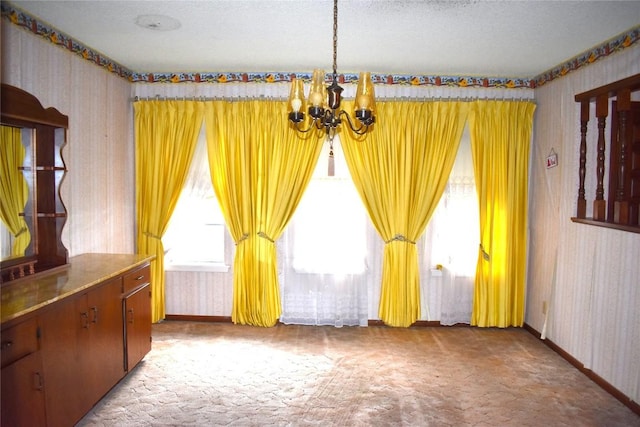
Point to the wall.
(98, 188)
(588, 276)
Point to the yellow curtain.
(166, 133)
(500, 141)
(400, 170)
(259, 169)
(13, 188)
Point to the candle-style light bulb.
(363, 102)
(296, 101)
(315, 99)
(296, 104)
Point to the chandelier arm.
(313, 125)
(360, 130)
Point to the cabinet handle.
(131, 315)
(84, 318)
(95, 314)
(38, 384)
(139, 277)
(6, 344)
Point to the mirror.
(16, 214)
(31, 171)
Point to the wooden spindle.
(621, 204)
(584, 120)
(600, 204)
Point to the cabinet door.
(137, 308)
(22, 393)
(105, 350)
(64, 332)
(82, 350)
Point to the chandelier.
(323, 102)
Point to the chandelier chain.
(335, 38)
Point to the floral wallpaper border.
(20, 18)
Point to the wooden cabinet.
(61, 359)
(23, 393)
(105, 352)
(63, 341)
(137, 310)
(22, 379)
(86, 331)
(137, 315)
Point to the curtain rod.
(269, 98)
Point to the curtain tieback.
(485, 255)
(21, 231)
(265, 236)
(262, 234)
(153, 236)
(242, 238)
(400, 238)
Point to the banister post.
(584, 120)
(600, 204)
(621, 204)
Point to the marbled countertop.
(26, 295)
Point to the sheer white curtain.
(325, 254)
(450, 242)
(330, 254)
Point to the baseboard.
(227, 319)
(606, 386)
(194, 318)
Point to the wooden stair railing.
(621, 210)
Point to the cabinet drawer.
(19, 341)
(136, 278)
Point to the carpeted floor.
(212, 374)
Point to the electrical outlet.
(544, 307)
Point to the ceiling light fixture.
(157, 22)
(324, 101)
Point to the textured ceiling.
(463, 37)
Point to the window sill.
(621, 227)
(208, 267)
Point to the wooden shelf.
(42, 168)
(51, 168)
(44, 134)
(621, 227)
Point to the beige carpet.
(220, 374)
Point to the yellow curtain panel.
(13, 188)
(166, 133)
(259, 170)
(500, 141)
(401, 169)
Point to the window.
(453, 232)
(329, 226)
(450, 245)
(326, 252)
(196, 238)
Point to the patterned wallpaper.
(18, 17)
